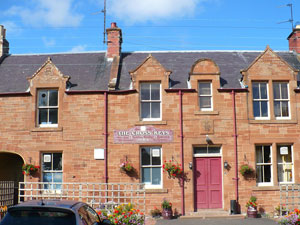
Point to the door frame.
(214, 155)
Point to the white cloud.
(152, 10)
(79, 48)
(48, 42)
(55, 13)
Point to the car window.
(37, 217)
(88, 216)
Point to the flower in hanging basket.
(29, 169)
(174, 170)
(126, 166)
(246, 169)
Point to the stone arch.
(205, 66)
(11, 170)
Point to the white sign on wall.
(98, 153)
(284, 150)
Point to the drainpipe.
(235, 149)
(106, 135)
(182, 154)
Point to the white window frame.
(261, 100)
(265, 164)
(52, 190)
(210, 95)
(47, 107)
(282, 100)
(207, 154)
(292, 163)
(151, 186)
(151, 101)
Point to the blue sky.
(51, 26)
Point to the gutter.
(182, 154)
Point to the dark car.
(52, 212)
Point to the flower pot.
(167, 214)
(252, 212)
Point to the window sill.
(266, 188)
(47, 129)
(162, 122)
(206, 112)
(272, 121)
(156, 191)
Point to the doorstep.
(212, 213)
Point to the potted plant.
(251, 206)
(174, 170)
(155, 213)
(29, 169)
(280, 210)
(166, 209)
(246, 169)
(126, 167)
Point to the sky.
(55, 26)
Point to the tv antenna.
(291, 20)
(104, 19)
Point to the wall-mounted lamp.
(226, 165)
(190, 165)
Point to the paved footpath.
(258, 221)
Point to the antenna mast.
(291, 20)
(104, 21)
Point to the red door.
(208, 183)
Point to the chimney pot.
(114, 41)
(113, 25)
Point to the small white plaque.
(47, 158)
(98, 153)
(155, 153)
(284, 150)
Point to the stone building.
(209, 112)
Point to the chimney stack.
(294, 40)
(4, 45)
(114, 41)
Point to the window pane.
(256, 109)
(204, 88)
(155, 91)
(53, 116)
(156, 160)
(284, 91)
(47, 177)
(43, 116)
(263, 91)
(57, 177)
(145, 110)
(200, 150)
(255, 91)
(259, 174)
(267, 154)
(156, 176)
(264, 109)
(285, 173)
(53, 98)
(57, 161)
(285, 108)
(145, 156)
(46, 165)
(276, 90)
(277, 109)
(282, 157)
(43, 98)
(146, 175)
(214, 150)
(267, 173)
(205, 102)
(145, 91)
(155, 110)
(259, 158)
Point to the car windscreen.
(39, 217)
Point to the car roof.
(53, 203)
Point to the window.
(52, 170)
(281, 99)
(263, 164)
(205, 96)
(150, 101)
(207, 150)
(260, 100)
(47, 108)
(151, 166)
(285, 163)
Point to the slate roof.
(88, 71)
(180, 63)
(91, 71)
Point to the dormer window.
(205, 96)
(47, 112)
(260, 100)
(150, 98)
(281, 99)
